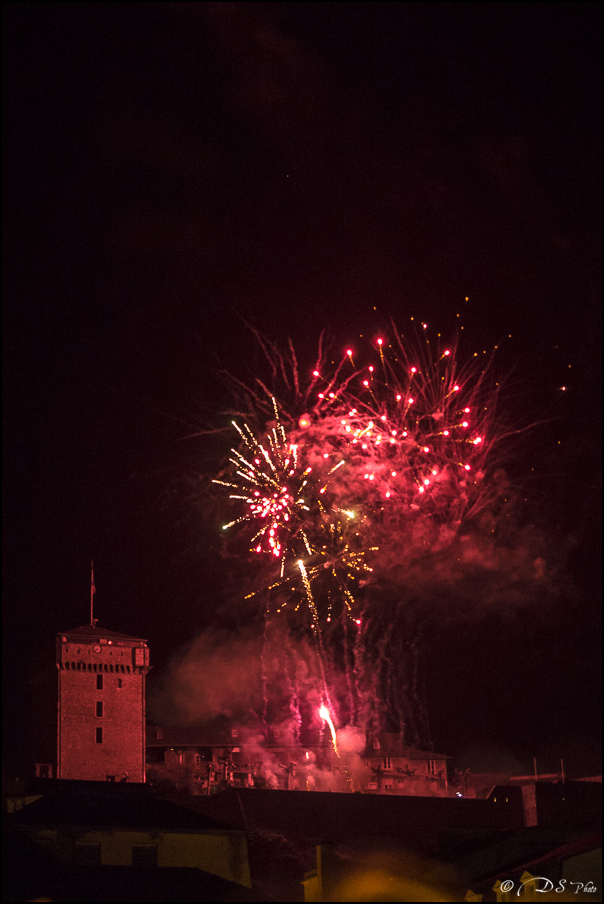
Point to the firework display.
(349, 466)
(371, 496)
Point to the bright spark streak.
(325, 715)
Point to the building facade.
(396, 769)
(101, 705)
(207, 758)
(94, 824)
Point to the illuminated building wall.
(101, 705)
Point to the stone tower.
(101, 719)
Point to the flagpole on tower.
(92, 592)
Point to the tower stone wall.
(101, 705)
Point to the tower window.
(99, 735)
(99, 709)
(99, 682)
(119, 682)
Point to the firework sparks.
(418, 437)
(326, 716)
(368, 453)
(272, 486)
(288, 504)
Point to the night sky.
(175, 171)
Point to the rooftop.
(529, 849)
(95, 633)
(315, 817)
(216, 733)
(106, 804)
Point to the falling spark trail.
(326, 716)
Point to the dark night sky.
(173, 168)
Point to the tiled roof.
(392, 745)
(415, 822)
(215, 734)
(100, 804)
(212, 735)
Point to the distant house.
(220, 754)
(105, 824)
(396, 769)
